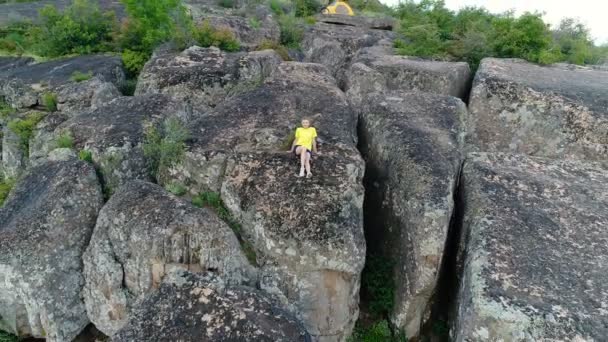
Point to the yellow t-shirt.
(304, 136)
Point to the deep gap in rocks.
(443, 304)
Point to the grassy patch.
(24, 128)
(49, 101)
(206, 35)
(85, 155)
(127, 88)
(65, 140)
(213, 201)
(78, 76)
(165, 147)
(378, 285)
(5, 188)
(378, 332)
(292, 31)
(255, 23)
(5, 109)
(4, 336)
(267, 44)
(226, 3)
(177, 189)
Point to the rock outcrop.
(204, 77)
(410, 142)
(551, 111)
(535, 251)
(141, 234)
(375, 69)
(45, 226)
(378, 23)
(24, 86)
(308, 233)
(189, 307)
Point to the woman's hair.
(307, 119)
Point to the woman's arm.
(314, 145)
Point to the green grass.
(85, 155)
(65, 140)
(5, 109)
(24, 128)
(127, 88)
(5, 188)
(377, 332)
(49, 100)
(378, 284)
(166, 147)
(177, 189)
(281, 50)
(213, 201)
(255, 23)
(226, 3)
(78, 76)
(4, 336)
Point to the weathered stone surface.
(335, 45)
(141, 234)
(7, 63)
(189, 307)
(308, 233)
(374, 70)
(536, 255)
(380, 23)
(551, 111)
(45, 226)
(410, 142)
(14, 155)
(74, 98)
(204, 77)
(23, 87)
(114, 134)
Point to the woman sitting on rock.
(304, 144)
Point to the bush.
(377, 332)
(206, 35)
(5, 188)
(65, 140)
(378, 285)
(24, 128)
(78, 76)
(176, 188)
(5, 109)
(49, 100)
(14, 38)
(127, 88)
(166, 147)
(134, 61)
(85, 155)
(305, 8)
(213, 201)
(81, 29)
(272, 45)
(292, 32)
(226, 3)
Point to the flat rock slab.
(536, 255)
(189, 307)
(379, 23)
(24, 86)
(141, 234)
(376, 70)
(204, 77)
(7, 63)
(550, 111)
(45, 226)
(410, 142)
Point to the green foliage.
(277, 7)
(292, 31)
(127, 88)
(378, 284)
(5, 109)
(305, 8)
(166, 147)
(24, 128)
(134, 61)
(213, 201)
(255, 23)
(177, 189)
(65, 140)
(78, 76)
(206, 35)
(14, 38)
(49, 100)
(85, 155)
(81, 29)
(226, 3)
(5, 188)
(377, 332)
(272, 45)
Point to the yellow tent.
(338, 7)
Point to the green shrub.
(267, 44)
(305, 8)
(206, 35)
(226, 3)
(24, 128)
(213, 201)
(65, 140)
(166, 147)
(378, 284)
(14, 38)
(134, 61)
(377, 332)
(277, 7)
(255, 23)
(5, 188)
(49, 100)
(81, 29)
(85, 155)
(177, 189)
(5, 109)
(292, 31)
(78, 76)
(127, 88)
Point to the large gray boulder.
(536, 253)
(201, 307)
(371, 22)
(7, 63)
(376, 69)
(24, 86)
(410, 142)
(45, 226)
(114, 133)
(552, 111)
(141, 234)
(204, 77)
(307, 233)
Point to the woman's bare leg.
(301, 151)
(307, 165)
